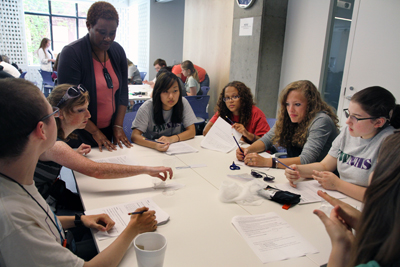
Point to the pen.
(230, 121)
(237, 143)
(153, 141)
(136, 212)
(277, 161)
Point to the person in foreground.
(100, 64)
(27, 225)
(372, 116)
(377, 236)
(306, 127)
(73, 103)
(167, 117)
(235, 104)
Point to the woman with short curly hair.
(236, 106)
(306, 127)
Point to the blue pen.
(237, 143)
(277, 161)
(137, 212)
(230, 121)
(153, 141)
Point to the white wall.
(305, 35)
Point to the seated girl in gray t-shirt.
(372, 116)
(167, 117)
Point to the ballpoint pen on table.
(137, 212)
(153, 141)
(277, 161)
(237, 143)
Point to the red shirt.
(177, 69)
(257, 125)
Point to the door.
(373, 54)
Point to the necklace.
(107, 75)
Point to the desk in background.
(200, 232)
(138, 92)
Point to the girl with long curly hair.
(306, 127)
(235, 104)
(372, 116)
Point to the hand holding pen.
(160, 146)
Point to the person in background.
(192, 84)
(133, 73)
(7, 59)
(55, 67)
(203, 76)
(236, 103)
(100, 65)
(73, 103)
(377, 236)
(372, 116)
(167, 117)
(158, 64)
(30, 233)
(8, 68)
(4, 74)
(306, 127)
(46, 57)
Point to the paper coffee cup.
(150, 249)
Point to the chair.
(47, 82)
(128, 119)
(205, 89)
(199, 104)
(22, 76)
(142, 75)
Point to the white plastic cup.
(150, 249)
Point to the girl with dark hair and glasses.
(372, 116)
(100, 64)
(167, 117)
(30, 233)
(73, 102)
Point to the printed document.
(271, 238)
(308, 191)
(117, 160)
(220, 137)
(180, 148)
(119, 214)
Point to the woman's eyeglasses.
(354, 118)
(72, 92)
(236, 97)
(258, 174)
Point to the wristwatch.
(77, 220)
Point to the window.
(61, 21)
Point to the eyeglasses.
(354, 118)
(258, 174)
(236, 97)
(55, 112)
(72, 92)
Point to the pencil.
(137, 212)
(230, 121)
(153, 141)
(277, 161)
(237, 143)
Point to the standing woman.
(46, 57)
(236, 104)
(192, 83)
(167, 117)
(100, 65)
(372, 116)
(306, 127)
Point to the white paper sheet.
(117, 160)
(220, 137)
(271, 238)
(180, 148)
(308, 191)
(119, 214)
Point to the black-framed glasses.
(236, 97)
(72, 92)
(258, 174)
(354, 118)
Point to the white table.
(136, 88)
(200, 232)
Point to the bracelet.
(118, 126)
(179, 139)
(273, 163)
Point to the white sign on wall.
(246, 27)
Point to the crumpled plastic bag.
(230, 191)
